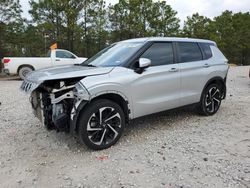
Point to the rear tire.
(101, 124)
(24, 71)
(210, 100)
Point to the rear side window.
(189, 51)
(159, 54)
(206, 50)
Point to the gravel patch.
(174, 149)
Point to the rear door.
(157, 88)
(194, 68)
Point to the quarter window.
(206, 50)
(159, 54)
(189, 51)
(64, 54)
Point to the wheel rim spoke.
(217, 91)
(116, 133)
(212, 110)
(102, 138)
(105, 130)
(94, 129)
(208, 104)
(217, 100)
(210, 95)
(100, 114)
(93, 134)
(113, 116)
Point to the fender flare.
(75, 113)
(213, 80)
(79, 106)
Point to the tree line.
(85, 27)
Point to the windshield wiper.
(90, 65)
(84, 65)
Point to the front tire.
(101, 124)
(210, 100)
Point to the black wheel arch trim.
(83, 103)
(213, 80)
(78, 109)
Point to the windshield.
(114, 55)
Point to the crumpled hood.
(34, 79)
(62, 72)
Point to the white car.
(23, 65)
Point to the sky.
(209, 8)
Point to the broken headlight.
(81, 92)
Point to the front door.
(64, 57)
(158, 87)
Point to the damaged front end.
(55, 102)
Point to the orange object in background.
(53, 46)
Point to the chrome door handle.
(173, 70)
(206, 65)
(57, 59)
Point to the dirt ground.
(174, 149)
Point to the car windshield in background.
(114, 55)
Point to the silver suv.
(126, 80)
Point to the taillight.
(6, 60)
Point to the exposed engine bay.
(57, 94)
(54, 102)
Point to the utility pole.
(45, 43)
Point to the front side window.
(189, 51)
(159, 54)
(64, 54)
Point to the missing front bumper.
(37, 106)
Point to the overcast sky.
(209, 8)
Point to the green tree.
(10, 11)
(11, 27)
(163, 21)
(241, 25)
(139, 17)
(196, 26)
(58, 19)
(48, 15)
(75, 25)
(94, 22)
(99, 24)
(118, 17)
(231, 33)
(221, 30)
(35, 45)
(133, 18)
(72, 10)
